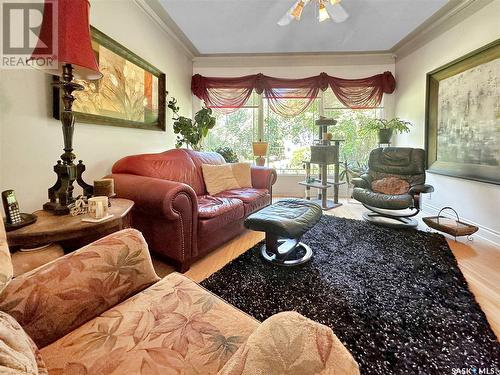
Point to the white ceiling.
(249, 26)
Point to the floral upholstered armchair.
(103, 310)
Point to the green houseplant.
(385, 128)
(228, 154)
(189, 132)
(350, 170)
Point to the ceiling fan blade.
(337, 12)
(287, 18)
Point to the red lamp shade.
(73, 42)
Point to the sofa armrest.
(364, 181)
(421, 189)
(57, 297)
(157, 197)
(263, 177)
(290, 343)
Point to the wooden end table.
(70, 231)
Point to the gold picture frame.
(462, 116)
(132, 92)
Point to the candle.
(104, 187)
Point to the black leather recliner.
(407, 164)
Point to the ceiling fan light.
(335, 2)
(297, 11)
(323, 13)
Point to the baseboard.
(484, 233)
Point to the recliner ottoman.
(284, 223)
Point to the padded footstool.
(284, 223)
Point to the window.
(289, 138)
(236, 130)
(355, 149)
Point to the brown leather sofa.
(173, 210)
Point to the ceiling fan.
(327, 9)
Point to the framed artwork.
(463, 116)
(131, 93)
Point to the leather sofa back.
(179, 165)
(406, 163)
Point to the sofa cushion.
(253, 199)
(6, 270)
(207, 226)
(174, 326)
(209, 207)
(391, 185)
(18, 353)
(203, 157)
(174, 165)
(59, 296)
(179, 165)
(218, 178)
(243, 174)
(289, 343)
(246, 195)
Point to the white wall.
(476, 202)
(343, 66)
(31, 140)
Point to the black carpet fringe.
(395, 298)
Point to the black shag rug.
(395, 298)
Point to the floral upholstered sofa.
(103, 310)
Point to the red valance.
(229, 94)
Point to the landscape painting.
(463, 117)
(131, 92)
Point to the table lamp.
(260, 150)
(74, 58)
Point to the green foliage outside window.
(289, 138)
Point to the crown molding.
(156, 12)
(447, 17)
(293, 59)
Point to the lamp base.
(61, 194)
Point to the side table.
(70, 231)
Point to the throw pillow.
(218, 178)
(289, 343)
(391, 186)
(6, 270)
(18, 353)
(242, 173)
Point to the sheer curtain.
(228, 94)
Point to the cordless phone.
(11, 207)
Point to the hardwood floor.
(478, 260)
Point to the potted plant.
(228, 154)
(385, 128)
(349, 171)
(189, 132)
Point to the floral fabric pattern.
(290, 344)
(6, 270)
(18, 353)
(173, 327)
(56, 298)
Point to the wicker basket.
(453, 227)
